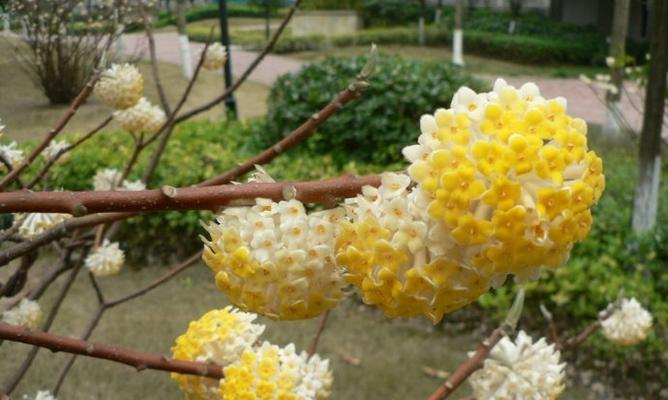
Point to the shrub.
(375, 127)
(394, 12)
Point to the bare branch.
(316, 337)
(185, 198)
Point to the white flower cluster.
(41, 395)
(27, 314)
(55, 147)
(215, 57)
(12, 154)
(399, 258)
(110, 179)
(629, 324)
(520, 370)
(271, 372)
(600, 81)
(120, 86)
(142, 117)
(275, 259)
(105, 260)
(34, 224)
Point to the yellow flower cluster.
(394, 254)
(509, 175)
(275, 259)
(269, 372)
(221, 337)
(227, 337)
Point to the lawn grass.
(474, 64)
(26, 112)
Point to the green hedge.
(375, 127)
(519, 48)
(211, 11)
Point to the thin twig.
(247, 72)
(78, 101)
(27, 362)
(154, 59)
(316, 336)
(66, 150)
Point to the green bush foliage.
(375, 127)
(609, 260)
(394, 12)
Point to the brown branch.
(135, 359)
(247, 72)
(66, 150)
(316, 337)
(104, 305)
(186, 198)
(8, 165)
(78, 101)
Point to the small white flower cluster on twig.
(33, 224)
(105, 260)
(215, 57)
(629, 324)
(520, 369)
(11, 154)
(110, 179)
(41, 395)
(27, 314)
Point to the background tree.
(458, 34)
(184, 44)
(647, 193)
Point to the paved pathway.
(582, 102)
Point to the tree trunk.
(184, 45)
(458, 34)
(612, 127)
(647, 193)
(267, 22)
(439, 12)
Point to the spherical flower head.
(11, 154)
(54, 148)
(34, 224)
(220, 337)
(275, 259)
(629, 324)
(120, 87)
(520, 370)
(509, 177)
(27, 314)
(106, 260)
(142, 117)
(215, 57)
(270, 372)
(41, 395)
(399, 259)
(107, 179)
